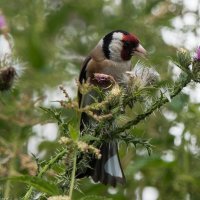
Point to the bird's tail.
(108, 169)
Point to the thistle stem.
(11, 169)
(73, 175)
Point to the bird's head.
(120, 46)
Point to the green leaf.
(94, 197)
(73, 133)
(53, 114)
(88, 138)
(36, 182)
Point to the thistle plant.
(141, 88)
(74, 149)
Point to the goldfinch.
(111, 56)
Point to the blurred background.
(49, 40)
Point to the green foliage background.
(52, 38)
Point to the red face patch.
(130, 38)
(129, 43)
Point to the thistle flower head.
(141, 76)
(103, 79)
(183, 59)
(7, 77)
(197, 55)
(10, 68)
(196, 64)
(2, 21)
(3, 24)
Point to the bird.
(111, 56)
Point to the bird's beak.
(140, 51)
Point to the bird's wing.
(83, 77)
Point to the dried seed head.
(64, 91)
(83, 146)
(59, 198)
(141, 76)
(95, 151)
(28, 164)
(65, 140)
(182, 50)
(115, 91)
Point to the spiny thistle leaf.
(53, 114)
(36, 182)
(88, 138)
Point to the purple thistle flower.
(103, 79)
(197, 56)
(2, 22)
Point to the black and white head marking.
(118, 45)
(112, 45)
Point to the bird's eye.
(126, 43)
